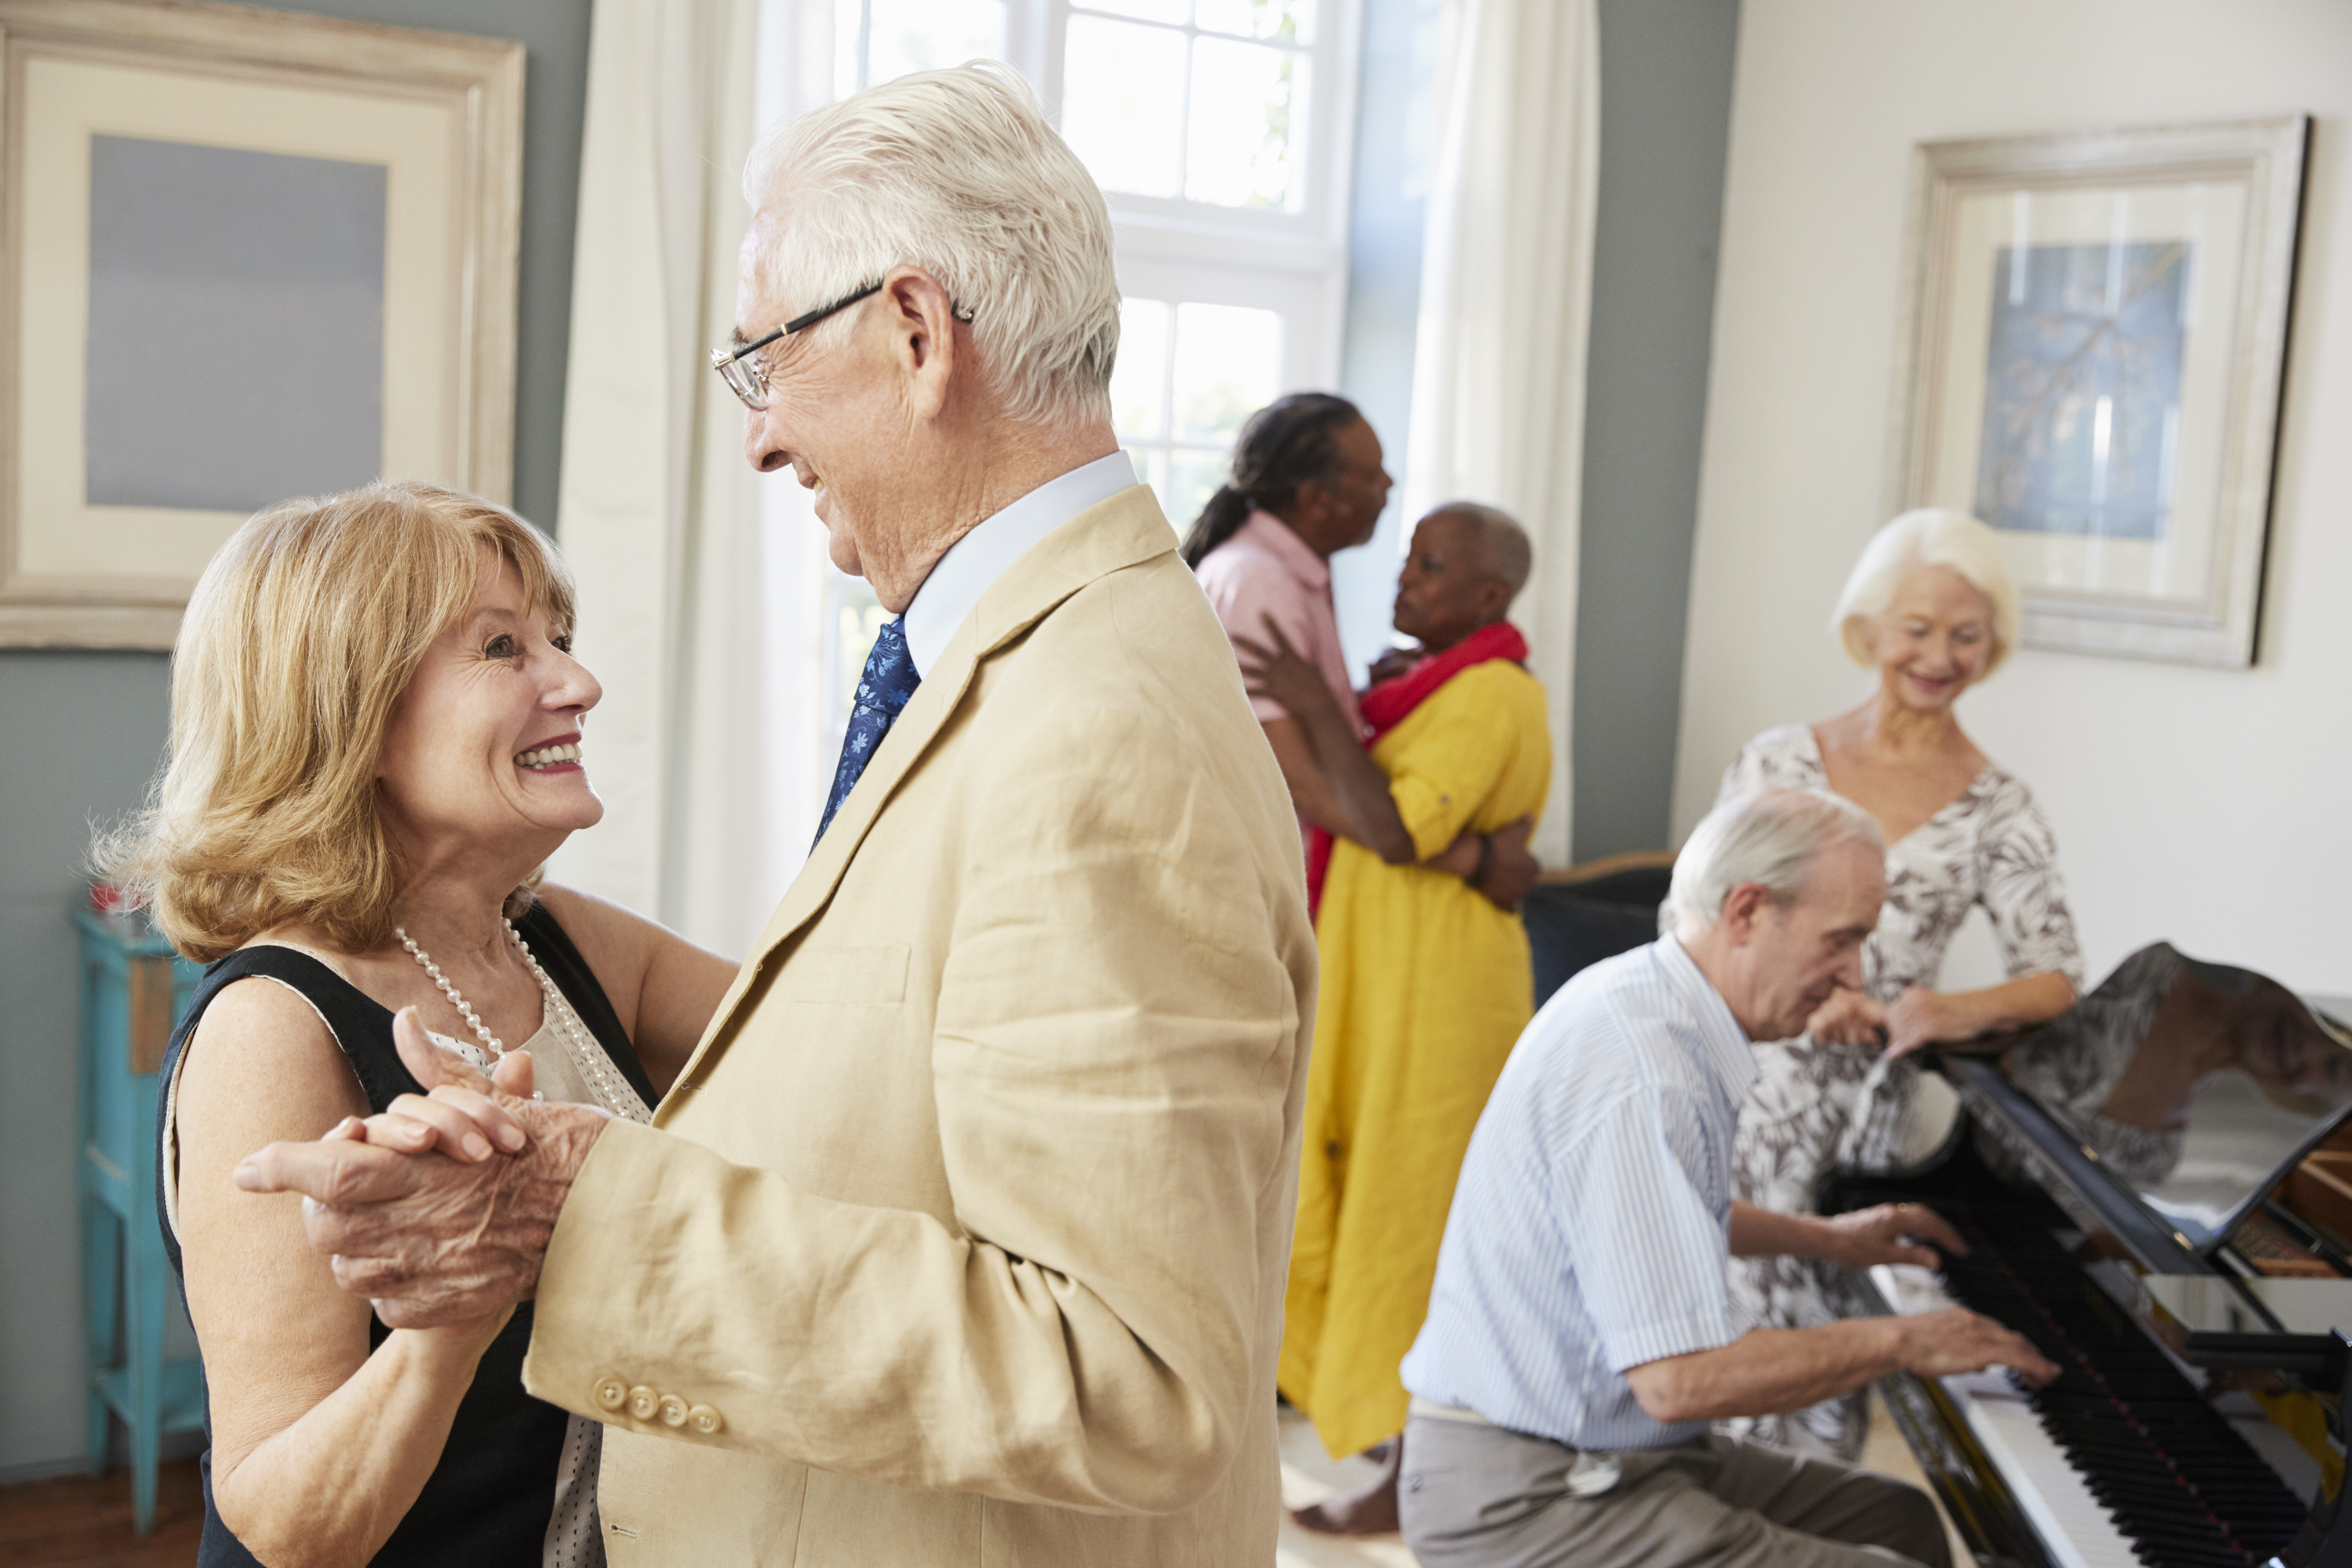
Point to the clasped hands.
(440, 1209)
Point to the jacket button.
(673, 1411)
(644, 1402)
(705, 1420)
(611, 1394)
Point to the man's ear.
(1742, 907)
(922, 324)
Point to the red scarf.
(1386, 704)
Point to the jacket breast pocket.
(839, 976)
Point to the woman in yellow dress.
(1425, 983)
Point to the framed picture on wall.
(244, 255)
(2090, 360)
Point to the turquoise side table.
(133, 991)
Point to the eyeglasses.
(740, 368)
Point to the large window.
(1219, 131)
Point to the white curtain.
(701, 583)
(1506, 297)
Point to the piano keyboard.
(2120, 1461)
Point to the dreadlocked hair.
(1289, 442)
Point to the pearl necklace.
(617, 1096)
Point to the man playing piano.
(1579, 1336)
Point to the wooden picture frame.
(2091, 357)
(243, 254)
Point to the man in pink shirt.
(1307, 481)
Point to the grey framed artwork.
(2090, 360)
(244, 255)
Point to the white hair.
(1771, 837)
(957, 172)
(1931, 536)
(1509, 554)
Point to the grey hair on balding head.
(1510, 557)
(957, 172)
(1770, 837)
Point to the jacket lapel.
(1123, 531)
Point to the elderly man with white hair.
(1580, 1335)
(1929, 610)
(963, 1238)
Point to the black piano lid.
(2186, 1092)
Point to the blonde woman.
(376, 742)
(1931, 610)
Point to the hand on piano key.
(1891, 1233)
(1918, 1293)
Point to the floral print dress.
(1817, 1107)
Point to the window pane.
(1248, 125)
(1123, 104)
(1192, 478)
(927, 35)
(1259, 18)
(1227, 368)
(1139, 383)
(1150, 468)
(1149, 10)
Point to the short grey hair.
(957, 172)
(1930, 535)
(1771, 837)
(1510, 558)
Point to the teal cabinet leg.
(101, 1263)
(145, 1302)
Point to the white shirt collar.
(975, 561)
(1730, 1053)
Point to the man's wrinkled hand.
(430, 1240)
(1890, 1233)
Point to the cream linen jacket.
(963, 1238)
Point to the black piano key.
(2183, 1486)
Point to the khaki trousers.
(1481, 1497)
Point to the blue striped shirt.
(1592, 1221)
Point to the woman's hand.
(1848, 1018)
(1389, 665)
(460, 1122)
(1283, 674)
(1920, 1016)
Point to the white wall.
(2212, 808)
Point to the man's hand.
(1890, 1233)
(429, 1239)
(1956, 1341)
(1848, 1018)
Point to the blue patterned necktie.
(889, 679)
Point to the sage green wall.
(80, 734)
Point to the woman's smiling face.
(1934, 639)
(482, 751)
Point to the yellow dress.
(1425, 986)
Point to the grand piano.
(2157, 1190)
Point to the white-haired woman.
(1931, 610)
(376, 723)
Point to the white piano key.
(2075, 1525)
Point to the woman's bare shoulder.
(262, 1055)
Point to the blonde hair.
(298, 641)
(1931, 536)
(958, 173)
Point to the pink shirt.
(1266, 574)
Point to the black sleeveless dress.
(487, 1503)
